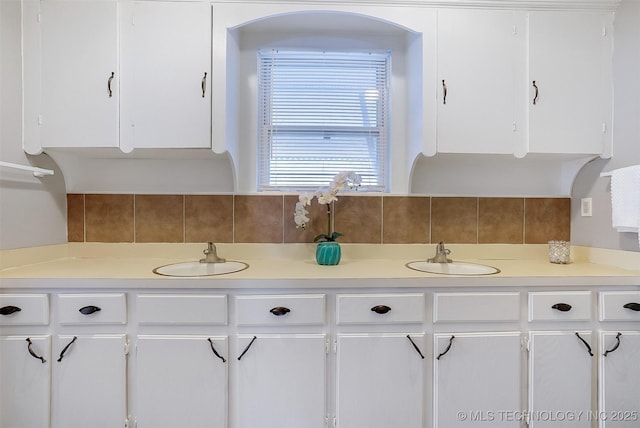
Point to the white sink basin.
(453, 268)
(193, 269)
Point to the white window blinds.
(321, 113)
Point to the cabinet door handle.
(608, 351)
(109, 84)
(33, 354)
(88, 310)
(204, 84)
(444, 92)
(67, 347)
(585, 343)
(280, 311)
(214, 350)
(448, 348)
(562, 307)
(247, 348)
(632, 305)
(381, 309)
(8, 310)
(415, 346)
(535, 96)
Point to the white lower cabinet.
(477, 379)
(619, 372)
(89, 381)
(281, 381)
(181, 381)
(380, 380)
(25, 374)
(560, 378)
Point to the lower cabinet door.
(89, 381)
(25, 373)
(619, 379)
(380, 380)
(477, 380)
(281, 381)
(560, 379)
(181, 381)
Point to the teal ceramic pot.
(328, 253)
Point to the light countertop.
(294, 266)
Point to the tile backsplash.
(361, 218)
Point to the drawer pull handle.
(444, 92)
(88, 310)
(608, 351)
(67, 347)
(8, 310)
(280, 311)
(535, 97)
(448, 347)
(562, 307)
(381, 309)
(109, 84)
(204, 84)
(33, 354)
(585, 343)
(247, 348)
(214, 350)
(415, 346)
(633, 306)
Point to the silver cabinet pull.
(204, 84)
(109, 84)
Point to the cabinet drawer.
(308, 309)
(560, 306)
(24, 309)
(619, 306)
(490, 307)
(92, 308)
(189, 309)
(380, 308)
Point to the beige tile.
(109, 218)
(258, 218)
(359, 219)
(454, 220)
(208, 218)
(501, 220)
(75, 218)
(318, 221)
(547, 219)
(405, 220)
(159, 218)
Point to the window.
(321, 113)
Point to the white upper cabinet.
(481, 56)
(166, 68)
(570, 82)
(79, 74)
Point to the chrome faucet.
(441, 254)
(211, 255)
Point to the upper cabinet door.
(570, 63)
(79, 73)
(481, 53)
(166, 68)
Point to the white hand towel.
(625, 199)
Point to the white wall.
(597, 231)
(32, 210)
